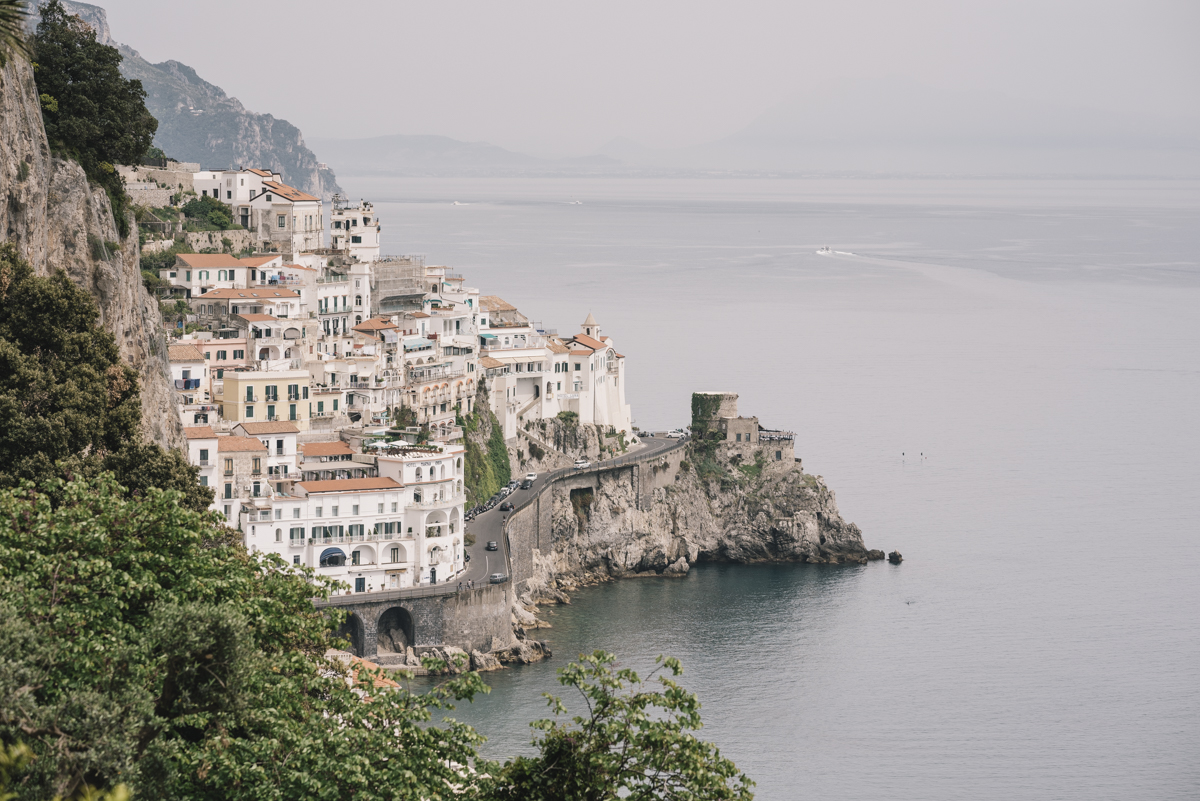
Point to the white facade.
(355, 229)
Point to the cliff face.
(58, 221)
(602, 529)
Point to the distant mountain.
(900, 126)
(412, 154)
(198, 122)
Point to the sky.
(565, 78)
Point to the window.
(779, 456)
(257, 489)
(395, 555)
(296, 512)
(279, 447)
(739, 437)
(292, 411)
(360, 585)
(393, 506)
(296, 559)
(204, 456)
(577, 366)
(320, 407)
(204, 481)
(270, 412)
(356, 557)
(279, 535)
(333, 512)
(278, 514)
(305, 395)
(358, 300)
(249, 393)
(296, 534)
(228, 195)
(293, 392)
(354, 509)
(221, 356)
(357, 240)
(249, 412)
(273, 392)
(239, 354)
(318, 510)
(380, 509)
(335, 404)
(187, 275)
(229, 467)
(228, 495)
(282, 220)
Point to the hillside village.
(324, 387)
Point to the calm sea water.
(1031, 348)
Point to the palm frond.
(13, 14)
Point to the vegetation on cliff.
(92, 114)
(68, 405)
(487, 465)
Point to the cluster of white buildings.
(304, 356)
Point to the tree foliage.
(91, 112)
(139, 645)
(209, 212)
(635, 742)
(68, 404)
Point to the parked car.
(507, 506)
(496, 498)
(491, 546)
(512, 485)
(676, 434)
(526, 484)
(531, 476)
(497, 578)
(582, 464)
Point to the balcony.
(449, 501)
(187, 383)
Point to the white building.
(356, 229)
(191, 380)
(290, 220)
(400, 529)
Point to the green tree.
(68, 404)
(92, 114)
(635, 742)
(140, 645)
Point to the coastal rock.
(58, 221)
(484, 662)
(895, 558)
(524, 652)
(875, 555)
(680, 568)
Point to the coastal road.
(489, 526)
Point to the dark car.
(497, 578)
(526, 484)
(491, 546)
(495, 498)
(507, 506)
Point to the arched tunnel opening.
(395, 630)
(352, 629)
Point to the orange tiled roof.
(588, 342)
(337, 448)
(239, 444)
(208, 260)
(257, 261)
(185, 353)
(199, 432)
(287, 192)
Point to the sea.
(999, 378)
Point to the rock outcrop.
(774, 513)
(58, 220)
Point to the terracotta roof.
(556, 346)
(495, 303)
(588, 342)
(337, 448)
(603, 339)
(185, 353)
(488, 362)
(619, 355)
(239, 444)
(299, 267)
(208, 260)
(375, 324)
(257, 261)
(259, 318)
(350, 485)
(581, 353)
(253, 294)
(199, 432)
(287, 192)
(279, 427)
(418, 314)
(257, 171)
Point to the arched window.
(419, 474)
(279, 535)
(358, 300)
(443, 475)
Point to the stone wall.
(202, 240)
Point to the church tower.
(590, 327)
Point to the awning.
(417, 343)
(487, 336)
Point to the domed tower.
(590, 327)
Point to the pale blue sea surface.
(1037, 341)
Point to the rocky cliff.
(602, 529)
(198, 122)
(58, 221)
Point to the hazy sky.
(563, 78)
